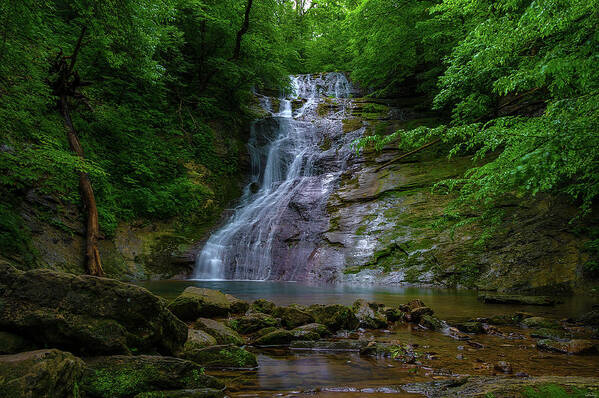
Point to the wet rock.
(253, 322)
(11, 343)
(470, 327)
(218, 330)
(125, 376)
(590, 318)
(394, 314)
(197, 302)
(494, 298)
(419, 312)
(456, 334)
(431, 323)
(540, 322)
(324, 345)
(41, 373)
(196, 393)
(263, 332)
(499, 386)
(86, 314)
(334, 316)
(276, 337)
(304, 335)
(198, 339)
(222, 357)
(503, 367)
(292, 316)
(367, 316)
(264, 306)
(317, 328)
(574, 347)
(554, 334)
(413, 304)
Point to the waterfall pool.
(283, 372)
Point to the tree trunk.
(243, 30)
(92, 254)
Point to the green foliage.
(555, 391)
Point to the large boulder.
(292, 316)
(125, 376)
(253, 322)
(222, 357)
(198, 339)
(275, 337)
(222, 333)
(42, 373)
(196, 302)
(86, 314)
(334, 316)
(264, 306)
(540, 322)
(368, 316)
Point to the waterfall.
(284, 149)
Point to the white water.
(283, 150)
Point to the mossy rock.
(197, 302)
(86, 315)
(540, 322)
(431, 323)
(11, 343)
(367, 316)
(417, 313)
(252, 323)
(574, 347)
(334, 316)
(292, 317)
(276, 337)
(222, 333)
(554, 334)
(470, 327)
(394, 314)
(125, 376)
(495, 298)
(198, 339)
(195, 393)
(223, 357)
(41, 373)
(264, 306)
(318, 328)
(352, 124)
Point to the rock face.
(196, 302)
(86, 315)
(42, 373)
(125, 376)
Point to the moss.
(322, 109)
(326, 144)
(350, 125)
(121, 382)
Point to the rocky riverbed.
(63, 335)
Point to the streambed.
(295, 373)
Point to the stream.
(294, 373)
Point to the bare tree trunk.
(92, 254)
(244, 28)
(66, 86)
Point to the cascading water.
(285, 150)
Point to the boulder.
(42, 373)
(196, 393)
(590, 318)
(264, 306)
(367, 316)
(547, 333)
(323, 345)
(198, 339)
(471, 327)
(196, 302)
(85, 314)
(394, 314)
(419, 312)
(11, 343)
(494, 298)
(218, 330)
(252, 322)
(125, 376)
(540, 322)
(431, 323)
(276, 337)
(575, 347)
(320, 329)
(292, 316)
(334, 316)
(222, 357)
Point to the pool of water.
(287, 373)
